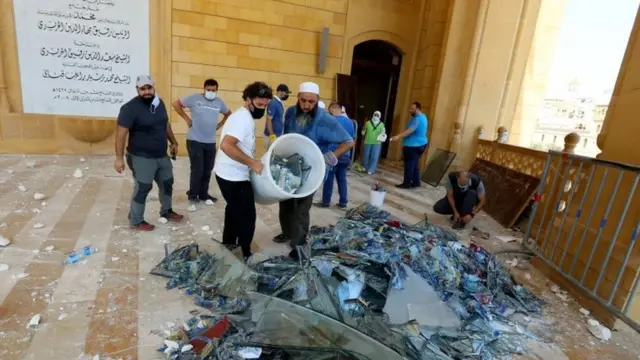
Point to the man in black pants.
(235, 160)
(308, 119)
(205, 108)
(465, 197)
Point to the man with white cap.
(145, 122)
(306, 118)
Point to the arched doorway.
(372, 84)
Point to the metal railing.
(555, 231)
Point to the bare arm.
(482, 202)
(121, 139)
(452, 202)
(170, 136)
(269, 123)
(404, 134)
(224, 119)
(343, 148)
(230, 147)
(177, 106)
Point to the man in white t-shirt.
(234, 162)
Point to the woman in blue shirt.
(414, 142)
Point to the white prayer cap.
(309, 87)
(321, 104)
(343, 110)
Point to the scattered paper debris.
(35, 321)
(191, 208)
(44, 203)
(599, 331)
(22, 188)
(62, 316)
(31, 164)
(512, 263)
(4, 267)
(3, 225)
(507, 239)
(250, 352)
(170, 344)
(187, 347)
(163, 220)
(38, 196)
(562, 296)
(82, 160)
(20, 276)
(50, 248)
(115, 258)
(209, 232)
(209, 202)
(4, 241)
(10, 171)
(36, 211)
(38, 225)
(554, 288)
(206, 228)
(78, 174)
(527, 276)
(584, 312)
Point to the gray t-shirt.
(204, 114)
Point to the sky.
(591, 45)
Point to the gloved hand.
(272, 137)
(330, 159)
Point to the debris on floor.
(34, 322)
(367, 286)
(4, 242)
(598, 330)
(78, 174)
(38, 196)
(480, 234)
(507, 238)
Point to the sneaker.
(143, 226)
(342, 206)
(293, 254)
(172, 216)
(280, 239)
(322, 205)
(415, 186)
(208, 199)
(247, 258)
(403, 186)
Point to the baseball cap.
(283, 88)
(144, 80)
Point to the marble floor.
(109, 305)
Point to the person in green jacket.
(374, 135)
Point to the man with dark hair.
(340, 170)
(414, 143)
(205, 108)
(307, 119)
(274, 125)
(465, 198)
(235, 161)
(145, 122)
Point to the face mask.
(146, 100)
(376, 120)
(463, 187)
(256, 113)
(209, 95)
(284, 97)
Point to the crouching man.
(465, 198)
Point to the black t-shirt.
(147, 130)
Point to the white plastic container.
(265, 189)
(376, 198)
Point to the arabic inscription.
(81, 57)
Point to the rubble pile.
(364, 288)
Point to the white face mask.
(375, 120)
(209, 95)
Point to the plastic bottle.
(73, 257)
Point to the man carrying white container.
(306, 118)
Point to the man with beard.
(306, 118)
(145, 122)
(414, 141)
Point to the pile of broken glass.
(365, 288)
(290, 173)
